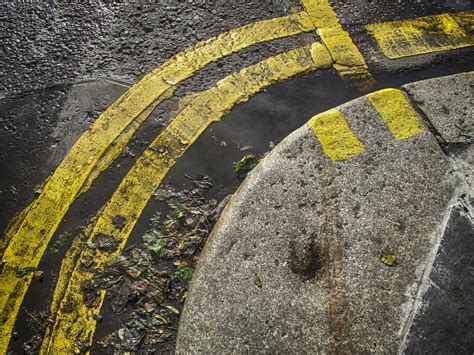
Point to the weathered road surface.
(83, 152)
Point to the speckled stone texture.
(294, 264)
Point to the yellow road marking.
(150, 169)
(114, 150)
(396, 112)
(336, 138)
(27, 245)
(348, 61)
(424, 35)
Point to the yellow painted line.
(12, 228)
(114, 150)
(336, 138)
(424, 35)
(67, 267)
(397, 113)
(74, 322)
(348, 61)
(27, 245)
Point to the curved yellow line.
(137, 187)
(27, 244)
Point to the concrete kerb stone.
(314, 255)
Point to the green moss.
(158, 247)
(247, 163)
(185, 274)
(388, 258)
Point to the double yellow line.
(29, 235)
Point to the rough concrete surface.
(50, 43)
(448, 102)
(295, 261)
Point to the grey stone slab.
(294, 263)
(448, 102)
(445, 322)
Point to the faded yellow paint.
(335, 136)
(424, 35)
(114, 150)
(397, 113)
(12, 228)
(142, 180)
(348, 61)
(27, 245)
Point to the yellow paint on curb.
(424, 35)
(27, 245)
(76, 323)
(397, 113)
(336, 138)
(348, 61)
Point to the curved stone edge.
(291, 280)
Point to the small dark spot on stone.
(401, 225)
(258, 282)
(304, 258)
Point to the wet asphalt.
(66, 62)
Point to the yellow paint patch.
(149, 171)
(27, 245)
(336, 138)
(424, 35)
(348, 61)
(396, 112)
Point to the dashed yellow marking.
(396, 112)
(27, 245)
(336, 138)
(424, 35)
(348, 61)
(151, 168)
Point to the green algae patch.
(388, 258)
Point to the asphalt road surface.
(63, 64)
